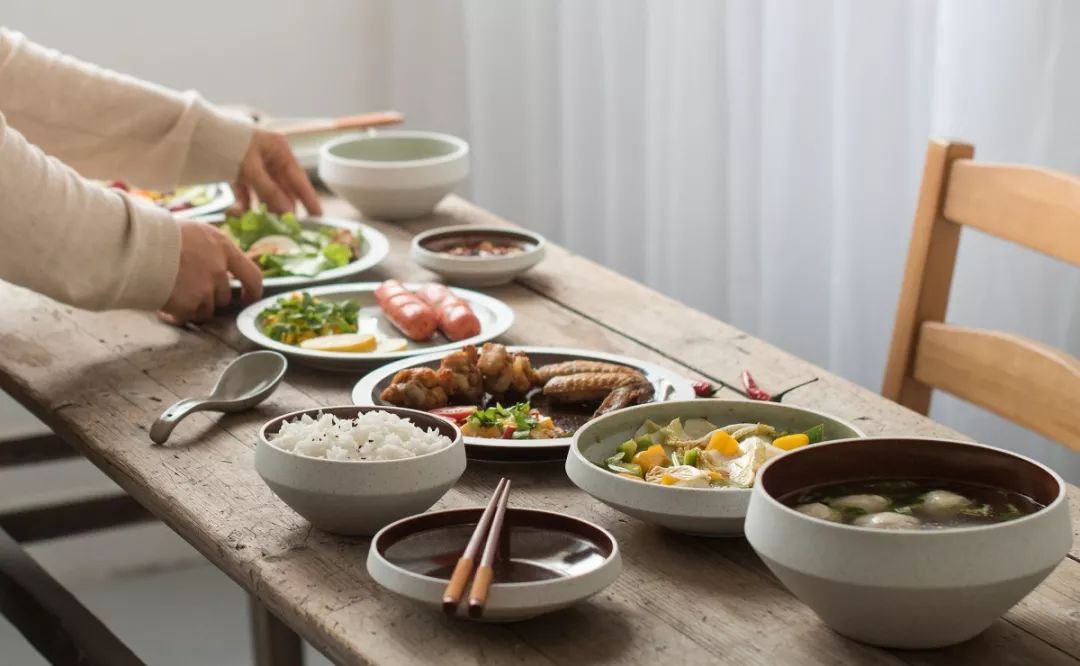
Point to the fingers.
(243, 196)
(222, 290)
(269, 193)
(301, 186)
(246, 272)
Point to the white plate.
(375, 248)
(367, 390)
(223, 197)
(495, 319)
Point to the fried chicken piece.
(503, 372)
(589, 387)
(466, 382)
(419, 388)
(625, 396)
(579, 367)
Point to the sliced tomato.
(458, 414)
(508, 431)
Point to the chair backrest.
(1025, 381)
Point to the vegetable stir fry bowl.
(660, 495)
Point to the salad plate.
(187, 202)
(552, 446)
(353, 309)
(302, 252)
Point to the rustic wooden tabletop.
(100, 379)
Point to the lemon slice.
(343, 342)
(392, 345)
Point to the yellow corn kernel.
(789, 442)
(723, 443)
(651, 457)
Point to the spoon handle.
(163, 426)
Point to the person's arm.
(107, 125)
(99, 249)
(77, 242)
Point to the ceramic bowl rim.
(903, 533)
(575, 449)
(403, 412)
(460, 149)
(538, 243)
(612, 556)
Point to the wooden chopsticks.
(489, 527)
(359, 121)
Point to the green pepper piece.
(691, 457)
(616, 459)
(627, 468)
(628, 448)
(644, 442)
(816, 434)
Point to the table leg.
(274, 642)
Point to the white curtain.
(760, 160)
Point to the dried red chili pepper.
(753, 391)
(705, 389)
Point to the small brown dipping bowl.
(555, 560)
(430, 250)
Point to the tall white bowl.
(697, 511)
(357, 497)
(394, 174)
(908, 588)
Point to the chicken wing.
(419, 388)
(579, 367)
(588, 387)
(625, 396)
(466, 382)
(503, 372)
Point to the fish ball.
(867, 503)
(819, 510)
(942, 503)
(888, 520)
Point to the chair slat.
(1033, 207)
(1022, 380)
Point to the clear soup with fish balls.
(924, 504)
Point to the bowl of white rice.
(352, 470)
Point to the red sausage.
(412, 316)
(457, 321)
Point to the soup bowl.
(359, 497)
(395, 174)
(908, 588)
(697, 511)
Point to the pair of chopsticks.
(492, 518)
(359, 121)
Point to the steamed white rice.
(371, 436)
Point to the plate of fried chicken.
(519, 403)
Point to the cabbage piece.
(754, 429)
(697, 428)
(742, 470)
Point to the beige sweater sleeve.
(69, 238)
(107, 125)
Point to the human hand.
(270, 168)
(207, 257)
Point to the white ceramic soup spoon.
(246, 382)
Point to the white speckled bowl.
(360, 497)
(477, 271)
(908, 588)
(394, 174)
(697, 511)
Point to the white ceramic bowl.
(697, 511)
(477, 271)
(908, 588)
(556, 560)
(394, 174)
(360, 497)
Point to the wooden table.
(99, 380)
